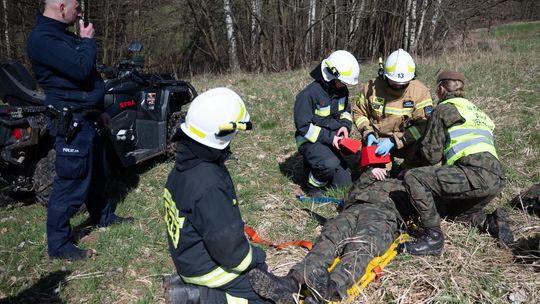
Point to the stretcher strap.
(255, 238)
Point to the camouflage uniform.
(371, 220)
(459, 191)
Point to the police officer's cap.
(450, 75)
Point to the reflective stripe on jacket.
(475, 135)
(391, 113)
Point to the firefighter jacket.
(320, 111)
(205, 229)
(401, 114)
(460, 134)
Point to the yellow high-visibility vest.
(473, 136)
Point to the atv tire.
(43, 177)
(173, 127)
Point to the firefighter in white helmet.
(392, 110)
(205, 228)
(322, 116)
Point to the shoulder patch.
(379, 99)
(428, 110)
(408, 104)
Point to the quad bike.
(145, 109)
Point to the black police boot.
(281, 290)
(430, 242)
(75, 254)
(177, 292)
(496, 225)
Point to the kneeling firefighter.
(205, 228)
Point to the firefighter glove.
(384, 146)
(371, 139)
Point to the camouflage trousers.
(365, 229)
(456, 192)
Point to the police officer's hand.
(379, 173)
(371, 139)
(343, 132)
(86, 32)
(105, 121)
(384, 146)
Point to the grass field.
(504, 79)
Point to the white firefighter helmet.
(341, 65)
(211, 110)
(399, 67)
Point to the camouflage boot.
(281, 290)
(430, 242)
(496, 225)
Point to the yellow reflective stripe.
(235, 300)
(219, 276)
(341, 105)
(361, 120)
(324, 111)
(313, 133)
(361, 98)
(391, 68)
(346, 73)
(346, 115)
(415, 133)
(315, 182)
(424, 103)
(411, 69)
(242, 111)
(196, 131)
(174, 222)
(394, 111)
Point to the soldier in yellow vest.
(460, 135)
(392, 109)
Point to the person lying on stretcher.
(373, 216)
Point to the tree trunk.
(435, 20)
(231, 38)
(407, 23)
(412, 15)
(255, 33)
(420, 25)
(6, 29)
(309, 45)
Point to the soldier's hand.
(86, 32)
(379, 173)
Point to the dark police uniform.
(319, 112)
(64, 66)
(205, 228)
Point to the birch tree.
(412, 16)
(231, 38)
(310, 35)
(6, 28)
(423, 9)
(435, 19)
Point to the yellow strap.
(370, 274)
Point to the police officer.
(205, 228)
(64, 65)
(392, 109)
(374, 213)
(322, 116)
(461, 136)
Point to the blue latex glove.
(371, 139)
(384, 147)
